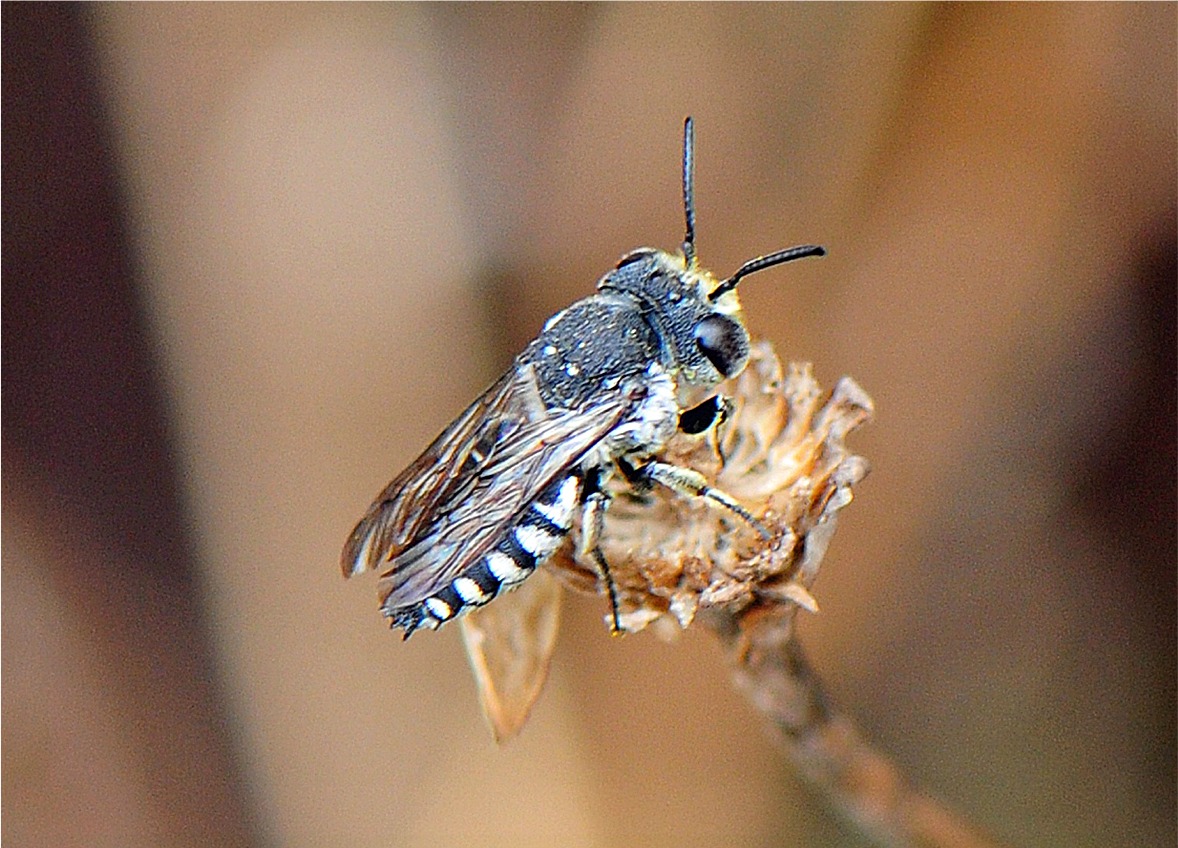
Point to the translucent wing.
(457, 499)
(407, 504)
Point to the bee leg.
(684, 481)
(596, 501)
(704, 416)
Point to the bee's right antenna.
(763, 262)
(689, 190)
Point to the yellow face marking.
(704, 281)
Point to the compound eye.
(724, 342)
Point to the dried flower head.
(780, 452)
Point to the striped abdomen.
(538, 532)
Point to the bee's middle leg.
(685, 481)
(595, 502)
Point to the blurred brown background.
(256, 256)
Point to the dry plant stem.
(674, 560)
(782, 454)
(770, 668)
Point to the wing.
(407, 504)
(469, 486)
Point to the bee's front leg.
(706, 418)
(703, 416)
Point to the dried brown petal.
(510, 644)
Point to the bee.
(592, 399)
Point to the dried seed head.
(781, 454)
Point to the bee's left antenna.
(689, 190)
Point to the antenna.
(689, 190)
(763, 262)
